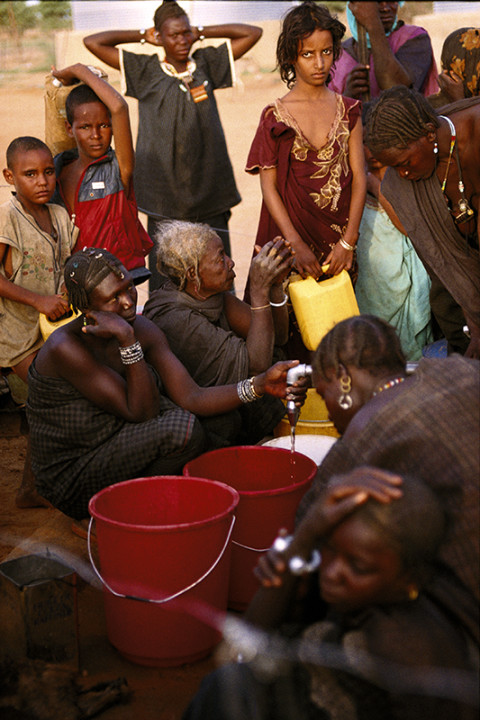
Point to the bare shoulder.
(148, 333)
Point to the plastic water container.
(318, 306)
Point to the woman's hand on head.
(152, 36)
(382, 485)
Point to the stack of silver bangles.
(246, 391)
(131, 354)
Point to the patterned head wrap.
(461, 55)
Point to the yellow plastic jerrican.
(48, 326)
(318, 306)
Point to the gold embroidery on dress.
(328, 163)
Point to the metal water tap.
(292, 375)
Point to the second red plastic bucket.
(157, 537)
(271, 483)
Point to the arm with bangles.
(341, 256)
(265, 322)
(203, 401)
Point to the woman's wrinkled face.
(215, 269)
(415, 162)
(358, 568)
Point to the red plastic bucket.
(271, 483)
(158, 537)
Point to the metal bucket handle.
(152, 600)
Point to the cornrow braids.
(397, 118)
(300, 22)
(363, 341)
(180, 246)
(85, 270)
(168, 9)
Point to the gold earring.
(345, 400)
(412, 592)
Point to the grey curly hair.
(180, 246)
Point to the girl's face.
(358, 568)
(315, 58)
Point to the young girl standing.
(308, 149)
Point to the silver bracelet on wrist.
(346, 246)
(131, 354)
(296, 564)
(280, 304)
(246, 391)
(201, 36)
(142, 34)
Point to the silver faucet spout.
(293, 375)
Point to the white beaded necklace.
(389, 384)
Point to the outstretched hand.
(274, 380)
(271, 264)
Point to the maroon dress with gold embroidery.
(315, 184)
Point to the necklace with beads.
(389, 384)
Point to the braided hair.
(397, 118)
(364, 341)
(85, 270)
(299, 23)
(168, 9)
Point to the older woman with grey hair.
(219, 338)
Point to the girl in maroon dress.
(308, 150)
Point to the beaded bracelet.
(131, 354)
(280, 304)
(346, 246)
(246, 391)
(142, 33)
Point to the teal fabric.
(392, 281)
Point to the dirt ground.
(159, 694)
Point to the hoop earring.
(345, 400)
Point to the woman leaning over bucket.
(109, 401)
(426, 425)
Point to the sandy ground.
(159, 694)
